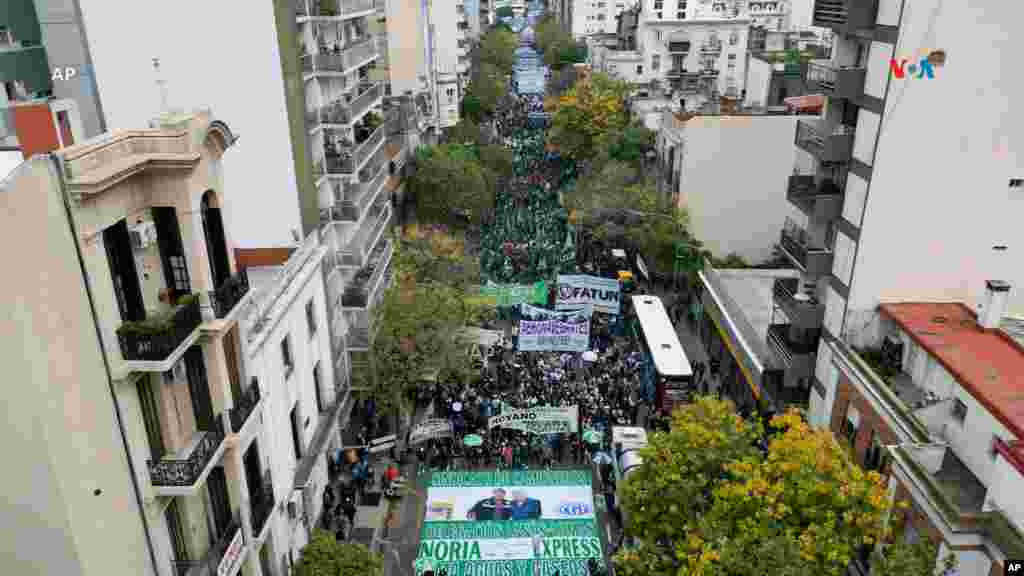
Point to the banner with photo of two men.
(510, 523)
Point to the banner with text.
(519, 523)
(543, 330)
(504, 295)
(431, 429)
(539, 420)
(601, 293)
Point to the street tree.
(586, 117)
(450, 185)
(488, 86)
(325, 556)
(498, 48)
(707, 501)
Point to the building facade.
(597, 16)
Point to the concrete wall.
(946, 169)
(216, 55)
(1004, 490)
(732, 209)
(69, 494)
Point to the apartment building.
(287, 333)
(597, 16)
(450, 62)
(131, 328)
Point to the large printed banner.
(539, 420)
(601, 293)
(509, 523)
(431, 429)
(543, 330)
(504, 295)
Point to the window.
(851, 423)
(316, 388)
(655, 62)
(286, 356)
(296, 442)
(734, 39)
(1016, 182)
(874, 457)
(639, 69)
(310, 318)
(681, 15)
(5, 36)
(959, 411)
(657, 35)
(658, 5)
(659, 15)
(732, 61)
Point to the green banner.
(505, 295)
(510, 478)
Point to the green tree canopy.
(325, 556)
(707, 502)
(587, 117)
(632, 142)
(488, 85)
(450, 185)
(498, 48)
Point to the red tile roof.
(987, 363)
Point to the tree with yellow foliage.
(587, 117)
(708, 502)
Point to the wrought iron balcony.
(803, 310)
(797, 244)
(834, 145)
(805, 191)
(262, 506)
(836, 81)
(228, 295)
(244, 406)
(331, 8)
(360, 292)
(845, 16)
(346, 112)
(792, 345)
(342, 60)
(186, 472)
(219, 558)
(155, 339)
(352, 159)
(711, 48)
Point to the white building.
(597, 16)
(447, 28)
(731, 209)
(287, 334)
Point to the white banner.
(429, 430)
(576, 290)
(539, 420)
(543, 330)
(485, 503)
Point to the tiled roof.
(987, 363)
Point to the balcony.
(183, 474)
(795, 347)
(845, 16)
(162, 337)
(331, 8)
(223, 558)
(342, 159)
(711, 49)
(834, 145)
(244, 407)
(261, 507)
(360, 292)
(806, 193)
(803, 310)
(836, 81)
(796, 243)
(357, 196)
(327, 423)
(342, 60)
(709, 73)
(343, 113)
(225, 298)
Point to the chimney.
(994, 307)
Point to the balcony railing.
(360, 292)
(331, 8)
(363, 193)
(845, 16)
(816, 261)
(244, 406)
(838, 82)
(346, 112)
(228, 295)
(789, 348)
(154, 339)
(186, 472)
(805, 191)
(263, 506)
(803, 310)
(210, 565)
(827, 144)
(351, 160)
(343, 60)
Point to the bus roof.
(669, 356)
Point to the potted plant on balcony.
(157, 323)
(372, 121)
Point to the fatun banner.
(543, 330)
(539, 420)
(509, 523)
(601, 293)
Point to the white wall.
(212, 55)
(733, 182)
(758, 82)
(1005, 489)
(939, 198)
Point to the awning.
(809, 104)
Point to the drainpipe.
(106, 363)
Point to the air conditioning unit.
(142, 235)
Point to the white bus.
(667, 363)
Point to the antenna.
(162, 85)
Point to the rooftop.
(988, 363)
